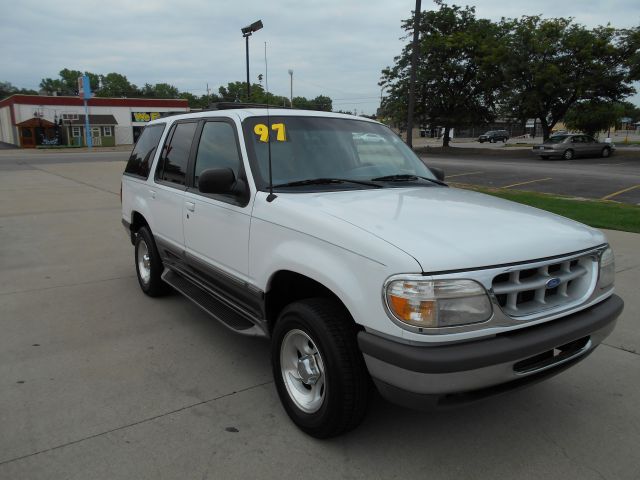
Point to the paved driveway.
(98, 381)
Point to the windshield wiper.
(406, 178)
(326, 181)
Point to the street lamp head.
(249, 29)
(290, 72)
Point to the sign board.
(84, 87)
(144, 116)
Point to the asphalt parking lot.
(99, 381)
(616, 178)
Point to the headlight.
(607, 268)
(438, 303)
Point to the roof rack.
(232, 105)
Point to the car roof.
(244, 113)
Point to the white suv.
(359, 263)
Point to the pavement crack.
(89, 282)
(73, 180)
(133, 424)
(624, 349)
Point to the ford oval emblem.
(553, 282)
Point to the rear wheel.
(606, 151)
(568, 154)
(148, 264)
(318, 369)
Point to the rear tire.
(319, 372)
(149, 266)
(568, 154)
(606, 152)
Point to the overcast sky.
(335, 47)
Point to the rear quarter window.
(143, 152)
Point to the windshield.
(309, 148)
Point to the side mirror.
(217, 180)
(438, 172)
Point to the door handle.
(152, 193)
(190, 206)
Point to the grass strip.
(596, 213)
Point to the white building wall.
(123, 130)
(6, 127)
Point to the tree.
(556, 64)
(160, 90)
(53, 86)
(592, 116)
(116, 85)
(7, 89)
(456, 83)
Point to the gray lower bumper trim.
(496, 350)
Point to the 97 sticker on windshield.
(262, 131)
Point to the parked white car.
(360, 264)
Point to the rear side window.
(140, 160)
(172, 167)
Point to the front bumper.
(418, 376)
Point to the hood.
(450, 229)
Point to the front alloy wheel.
(319, 372)
(568, 154)
(302, 370)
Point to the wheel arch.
(287, 286)
(137, 221)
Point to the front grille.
(527, 290)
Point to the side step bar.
(210, 304)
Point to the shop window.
(107, 131)
(75, 131)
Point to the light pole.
(412, 77)
(291, 91)
(246, 33)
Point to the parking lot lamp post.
(291, 91)
(246, 33)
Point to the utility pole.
(412, 79)
(291, 91)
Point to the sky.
(334, 47)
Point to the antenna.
(271, 197)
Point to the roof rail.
(232, 105)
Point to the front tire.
(568, 154)
(606, 152)
(148, 264)
(319, 372)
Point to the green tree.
(7, 89)
(456, 81)
(54, 86)
(556, 64)
(116, 85)
(592, 116)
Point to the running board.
(211, 305)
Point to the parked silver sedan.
(572, 146)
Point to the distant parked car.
(559, 132)
(493, 136)
(572, 146)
